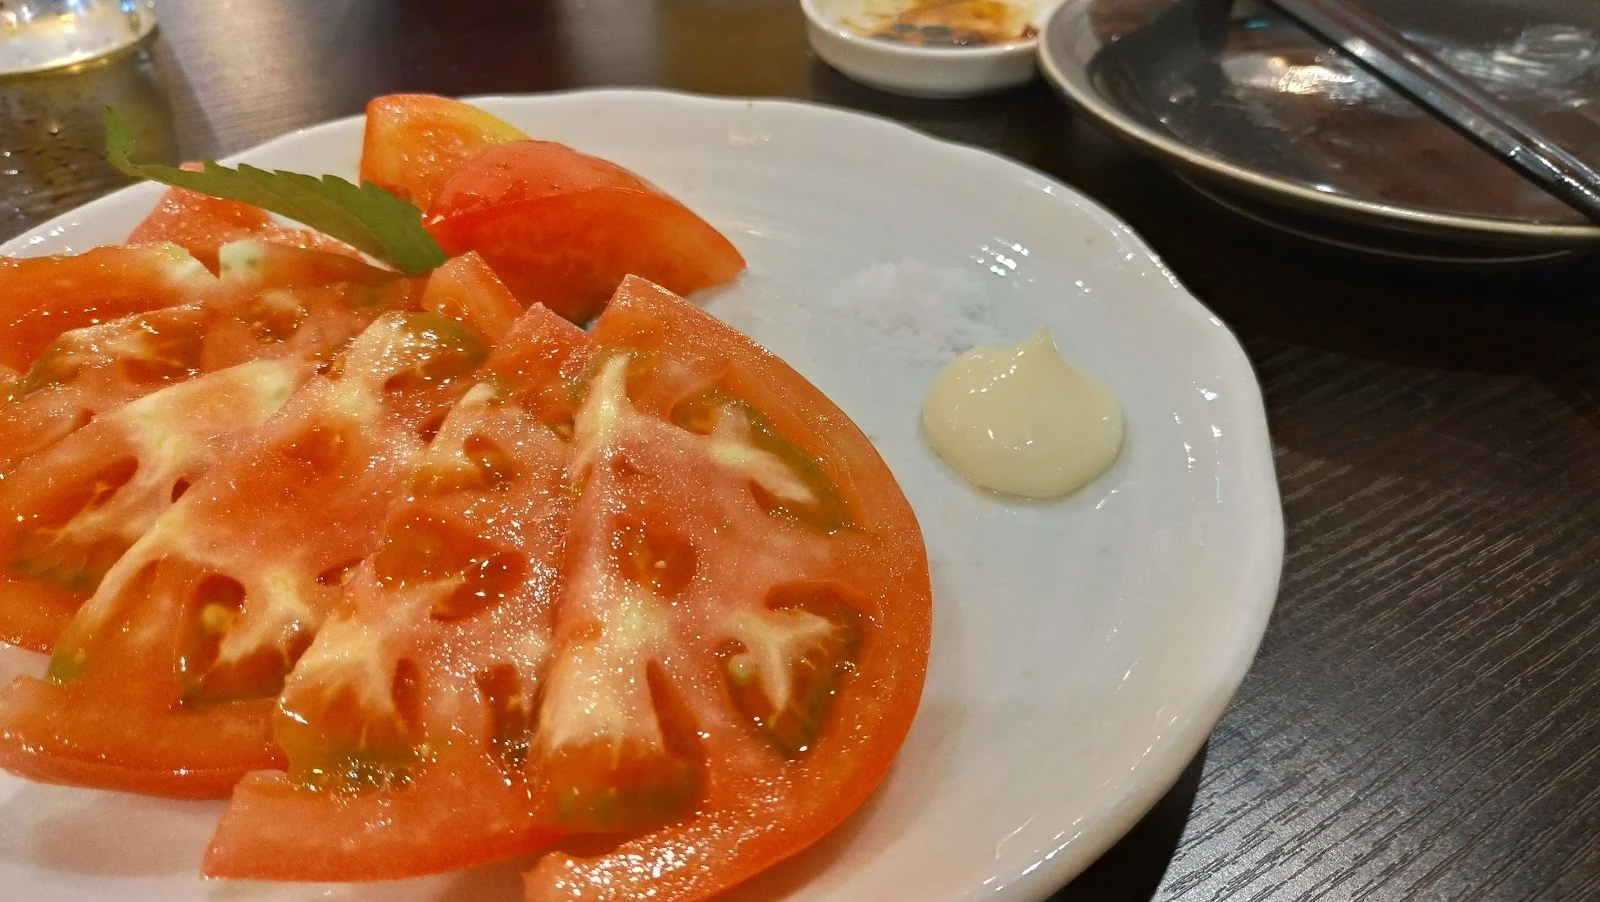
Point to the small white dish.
(921, 71)
(1083, 648)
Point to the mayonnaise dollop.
(1022, 420)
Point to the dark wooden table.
(1423, 721)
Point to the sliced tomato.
(164, 680)
(271, 301)
(405, 723)
(258, 264)
(467, 290)
(743, 629)
(92, 370)
(198, 223)
(42, 297)
(415, 142)
(563, 228)
(78, 506)
(203, 225)
(736, 652)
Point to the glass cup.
(44, 34)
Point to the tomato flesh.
(775, 658)
(707, 628)
(414, 143)
(465, 289)
(563, 228)
(406, 723)
(44, 296)
(163, 682)
(202, 224)
(79, 505)
(90, 380)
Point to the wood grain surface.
(1423, 721)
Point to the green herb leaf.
(367, 218)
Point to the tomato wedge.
(742, 635)
(42, 297)
(563, 228)
(164, 680)
(414, 142)
(405, 722)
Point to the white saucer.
(916, 71)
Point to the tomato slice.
(405, 722)
(414, 142)
(270, 301)
(164, 680)
(467, 290)
(202, 225)
(198, 223)
(564, 228)
(44, 296)
(79, 505)
(743, 630)
(269, 304)
(735, 653)
(90, 371)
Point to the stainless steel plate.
(1247, 103)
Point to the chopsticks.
(1451, 98)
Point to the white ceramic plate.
(1083, 649)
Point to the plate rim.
(1072, 84)
(1253, 597)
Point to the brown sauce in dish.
(952, 23)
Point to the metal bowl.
(1250, 107)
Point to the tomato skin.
(413, 143)
(42, 297)
(33, 708)
(356, 841)
(528, 170)
(755, 814)
(563, 228)
(569, 252)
